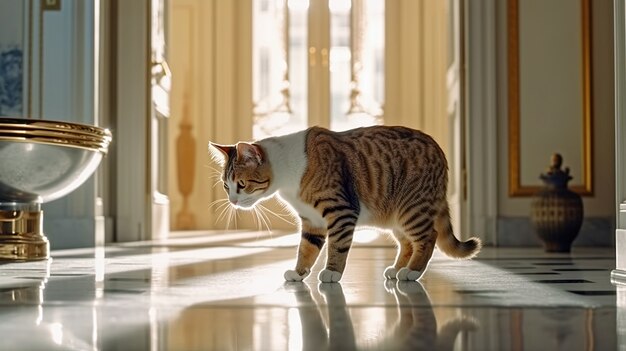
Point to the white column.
(481, 118)
(131, 138)
(620, 143)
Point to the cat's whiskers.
(219, 203)
(231, 215)
(215, 170)
(222, 215)
(216, 180)
(225, 210)
(216, 205)
(263, 220)
(258, 221)
(255, 217)
(236, 215)
(284, 218)
(222, 207)
(214, 174)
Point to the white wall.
(550, 88)
(601, 204)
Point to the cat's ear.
(219, 152)
(250, 154)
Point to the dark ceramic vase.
(556, 211)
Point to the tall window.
(317, 62)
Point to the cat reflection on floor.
(414, 329)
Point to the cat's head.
(247, 174)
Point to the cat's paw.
(328, 276)
(408, 274)
(390, 272)
(293, 276)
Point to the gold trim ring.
(53, 132)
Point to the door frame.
(131, 181)
(620, 115)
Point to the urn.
(556, 211)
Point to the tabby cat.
(386, 177)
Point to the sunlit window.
(283, 56)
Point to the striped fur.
(388, 177)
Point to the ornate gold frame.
(515, 186)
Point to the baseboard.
(77, 232)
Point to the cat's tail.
(448, 243)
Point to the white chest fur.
(288, 160)
(303, 209)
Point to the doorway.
(248, 69)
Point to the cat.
(385, 177)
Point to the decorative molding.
(516, 188)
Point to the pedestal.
(21, 234)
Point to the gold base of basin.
(21, 236)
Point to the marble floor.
(226, 292)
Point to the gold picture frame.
(516, 188)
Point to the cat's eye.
(241, 184)
(225, 186)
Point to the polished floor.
(226, 292)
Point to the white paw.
(390, 272)
(328, 276)
(407, 274)
(293, 276)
